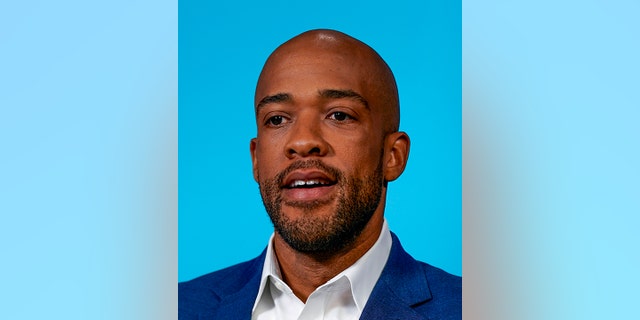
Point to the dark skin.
(324, 95)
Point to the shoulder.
(431, 291)
(203, 294)
(446, 288)
(400, 260)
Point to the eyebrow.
(339, 94)
(326, 93)
(276, 98)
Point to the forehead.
(308, 69)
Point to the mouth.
(309, 179)
(307, 185)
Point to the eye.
(275, 121)
(340, 116)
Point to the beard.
(356, 201)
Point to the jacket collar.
(402, 284)
(236, 301)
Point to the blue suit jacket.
(407, 289)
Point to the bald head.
(322, 54)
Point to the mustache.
(333, 172)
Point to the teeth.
(300, 183)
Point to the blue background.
(222, 48)
(88, 156)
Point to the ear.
(254, 160)
(396, 154)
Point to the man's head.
(327, 113)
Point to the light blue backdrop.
(88, 159)
(222, 47)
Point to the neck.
(304, 272)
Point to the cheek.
(362, 156)
(267, 159)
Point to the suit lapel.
(402, 285)
(236, 302)
(239, 305)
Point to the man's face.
(318, 156)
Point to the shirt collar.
(362, 275)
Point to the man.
(327, 113)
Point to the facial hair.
(356, 201)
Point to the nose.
(306, 139)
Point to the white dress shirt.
(342, 297)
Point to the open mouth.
(308, 184)
(306, 180)
(305, 185)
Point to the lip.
(307, 175)
(304, 193)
